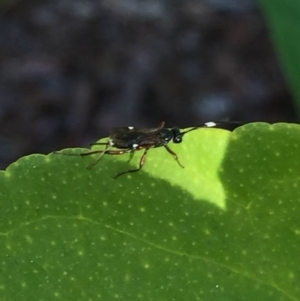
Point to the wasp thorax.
(166, 135)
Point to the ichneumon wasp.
(130, 139)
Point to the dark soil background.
(72, 69)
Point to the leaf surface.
(223, 228)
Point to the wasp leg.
(100, 152)
(105, 151)
(174, 155)
(161, 125)
(141, 164)
(131, 155)
(77, 155)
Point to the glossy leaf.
(223, 228)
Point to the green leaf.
(284, 22)
(223, 228)
(195, 156)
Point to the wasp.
(130, 139)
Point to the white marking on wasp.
(110, 142)
(134, 145)
(130, 128)
(210, 124)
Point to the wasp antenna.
(192, 129)
(226, 125)
(211, 124)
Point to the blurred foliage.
(284, 22)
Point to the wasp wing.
(130, 137)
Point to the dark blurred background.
(72, 69)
